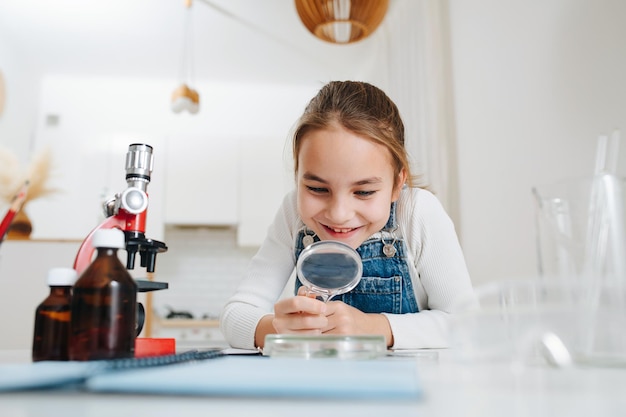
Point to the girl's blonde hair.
(364, 110)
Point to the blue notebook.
(271, 377)
(244, 376)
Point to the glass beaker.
(580, 228)
(581, 241)
(561, 212)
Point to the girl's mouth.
(340, 231)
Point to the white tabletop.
(451, 388)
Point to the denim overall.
(385, 286)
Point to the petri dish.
(325, 346)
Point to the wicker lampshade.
(341, 21)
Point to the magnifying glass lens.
(329, 268)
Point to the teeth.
(341, 230)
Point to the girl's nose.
(339, 211)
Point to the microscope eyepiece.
(139, 162)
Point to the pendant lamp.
(185, 97)
(341, 21)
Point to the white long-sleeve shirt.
(438, 271)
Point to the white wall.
(104, 104)
(535, 83)
(17, 123)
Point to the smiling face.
(346, 185)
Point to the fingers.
(305, 292)
(300, 324)
(300, 304)
(343, 319)
(299, 315)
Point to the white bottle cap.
(61, 277)
(108, 238)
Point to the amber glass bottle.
(52, 318)
(104, 304)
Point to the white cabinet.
(201, 180)
(89, 168)
(196, 180)
(226, 181)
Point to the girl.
(354, 185)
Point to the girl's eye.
(364, 193)
(317, 190)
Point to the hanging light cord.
(187, 63)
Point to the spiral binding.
(151, 361)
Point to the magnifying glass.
(328, 268)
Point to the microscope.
(128, 211)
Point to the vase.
(21, 226)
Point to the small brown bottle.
(52, 318)
(104, 304)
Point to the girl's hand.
(300, 314)
(347, 320)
